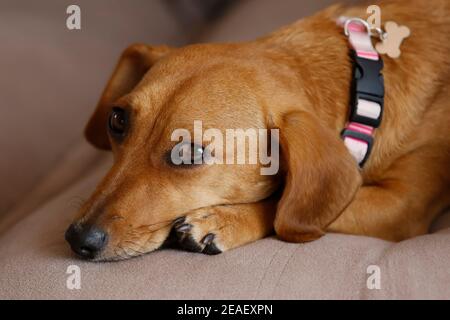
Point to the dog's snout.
(86, 241)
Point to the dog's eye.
(187, 154)
(117, 122)
(196, 153)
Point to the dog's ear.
(321, 178)
(134, 63)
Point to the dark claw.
(185, 240)
(210, 246)
(179, 221)
(208, 238)
(184, 228)
(188, 243)
(211, 249)
(175, 235)
(180, 234)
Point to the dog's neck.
(319, 57)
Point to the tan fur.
(298, 80)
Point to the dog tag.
(392, 39)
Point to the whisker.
(128, 254)
(166, 223)
(134, 250)
(119, 254)
(76, 202)
(134, 236)
(134, 244)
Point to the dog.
(297, 79)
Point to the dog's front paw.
(199, 232)
(216, 229)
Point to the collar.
(367, 90)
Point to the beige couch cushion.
(34, 259)
(51, 78)
(254, 18)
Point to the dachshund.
(297, 80)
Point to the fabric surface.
(254, 18)
(51, 77)
(34, 259)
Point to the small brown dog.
(298, 80)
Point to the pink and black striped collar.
(367, 92)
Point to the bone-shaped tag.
(391, 43)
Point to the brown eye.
(186, 153)
(117, 122)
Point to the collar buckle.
(367, 101)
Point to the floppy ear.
(134, 63)
(321, 178)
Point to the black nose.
(86, 241)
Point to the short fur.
(296, 79)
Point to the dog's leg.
(216, 229)
(405, 202)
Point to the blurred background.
(51, 77)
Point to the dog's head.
(155, 91)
